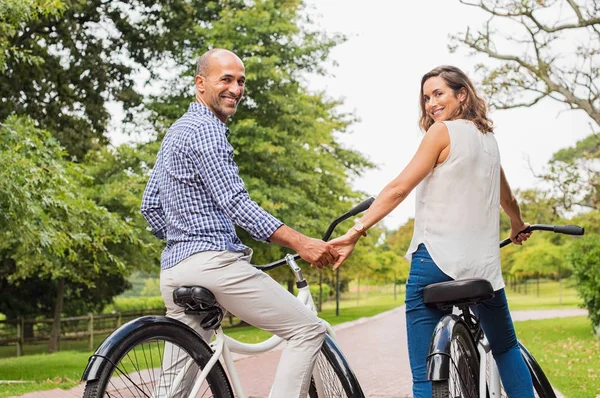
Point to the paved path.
(375, 348)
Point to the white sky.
(390, 45)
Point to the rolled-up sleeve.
(151, 206)
(213, 155)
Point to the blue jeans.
(495, 320)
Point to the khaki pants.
(257, 299)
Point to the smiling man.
(193, 199)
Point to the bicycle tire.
(338, 378)
(463, 377)
(146, 347)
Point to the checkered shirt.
(195, 194)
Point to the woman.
(460, 187)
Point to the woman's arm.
(511, 207)
(434, 142)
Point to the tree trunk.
(55, 334)
(290, 283)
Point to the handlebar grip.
(362, 206)
(569, 229)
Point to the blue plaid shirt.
(195, 194)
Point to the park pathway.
(375, 348)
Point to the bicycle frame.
(224, 345)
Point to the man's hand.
(317, 252)
(515, 232)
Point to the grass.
(551, 295)
(568, 353)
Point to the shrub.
(585, 256)
(130, 304)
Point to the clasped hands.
(320, 254)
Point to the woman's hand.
(515, 232)
(344, 245)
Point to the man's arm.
(152, 208)
(213, 156)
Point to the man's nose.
(236, 89)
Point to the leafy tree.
(48, 229)
(574, 174)
(553, 51)
(63, 67)
(13, 14)
(286, 138)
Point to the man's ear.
(200, 82)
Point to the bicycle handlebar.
(559, 229)
(359, 208)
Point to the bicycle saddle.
(462, 292)
(197, 300)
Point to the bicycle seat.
(197, 300)
(462, 292)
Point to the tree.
(574, 175)
(585, 256)
(49, 230)
(67, 59)
(285, 137)
(553, 50)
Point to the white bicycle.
(159, 357)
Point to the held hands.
(318, 253)
(515, 232)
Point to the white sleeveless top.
(458, 207)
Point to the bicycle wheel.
(158, 361)
(336, 378)
(463, 378)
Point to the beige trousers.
(257, 299)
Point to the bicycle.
(460, 363)
(156, 356)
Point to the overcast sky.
(390, 45)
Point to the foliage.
(574, 174)
(90, 53)
(48, 229)
(130, 304)
(541, 257)
(280, 122)
(534, 62)
(13, 15)
(585, 256)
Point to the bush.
(130, 304)
(585, 256)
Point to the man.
(194, 198)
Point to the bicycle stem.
(290, 259)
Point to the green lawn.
(551, 295)
(568, 353)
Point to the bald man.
(193, 199)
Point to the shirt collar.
(197, 107)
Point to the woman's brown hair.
(473, 108)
